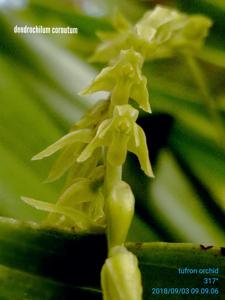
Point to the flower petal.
(103, 82)
(139, 93)
(79, 192)
(117, 151)
(141, 152)
(98, 141)
(74, 215)
(82, 135)
(65, 161)
(93, 116)
(120, 23)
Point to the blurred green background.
(41, 76)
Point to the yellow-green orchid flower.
(120, 132)
(162, 32)
(124, 80)
(71, 145)
(79, 207)
(74, 142)
(93, 116)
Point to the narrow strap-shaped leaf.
(162, 264)
(17, 285)
(76, 260)
(52, 253)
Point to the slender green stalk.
(113, 175)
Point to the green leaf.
(51, 253)
(43, 262)
(19, 285)
(159, 264)
(140, 231)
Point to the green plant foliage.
(40, 262)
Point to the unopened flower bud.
(120, 276)
(119, 213)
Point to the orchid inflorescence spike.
(96, 198)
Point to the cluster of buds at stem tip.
(160, 33)
(93, 152)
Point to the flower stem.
(113, 175)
